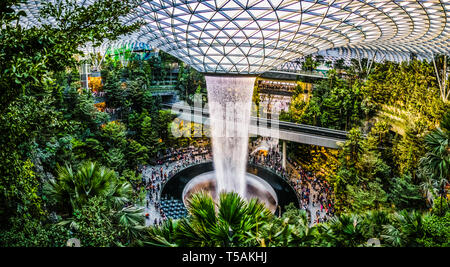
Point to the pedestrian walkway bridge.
(287, 131)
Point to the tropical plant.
(404, 193)
(163, 236)
(33, 62)
(435, 165)
(405, 229)
(353, 148)
(372, 223)
(99, 187)
(291, 230)
(346, 231)
(416, 229)
(91, 179)
(232, 222)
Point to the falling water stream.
(229, 101)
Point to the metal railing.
(282, 125)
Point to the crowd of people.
(268, 86)
(154, 177)
(186, 156)
(314, 192)
(266, 153)
(272, 103)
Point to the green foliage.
(222, 225)
(437, 231)
(163, 119)
(353, 148)
(115, 159)
(131, 176)
(410, 86)
(46, 121)
(435, 165)
(79, 107)
(380, 139)
(189, 80)
(440, 206)
(400, 104)
(28, 232)
(163, 236)
(135, 120)
(363, 177)
(114, 135)
(98, 198)
(409, 149)
(93, 148)
(116, 91)
(367, 197)
(445, 122)
(97, 225)
(234, 223)
(372, 222)
(296, 111)
(292, 229)
(335, 104)
(22, 193)
(36, 98)
(28, 55)
(25, 122)
(405, 194)
(310, 64)
(405, 229)
(91, 224)
(437, 160)
(137, 154)
(88, 181)
(346, 230)
(149, 136)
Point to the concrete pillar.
(283, 158)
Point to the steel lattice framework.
(253, 36)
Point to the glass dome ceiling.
(254, 36)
